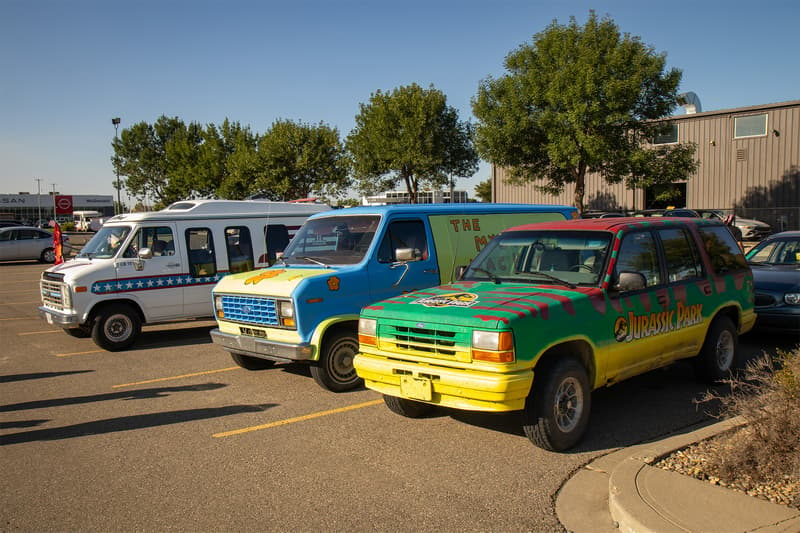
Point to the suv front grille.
(250, 310)
(451, 343)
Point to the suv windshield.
(560, 257)
(105, 243)
(339, 240)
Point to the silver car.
(26, 242)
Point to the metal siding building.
(756, 173)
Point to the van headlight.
(218, 311)
(286, 314)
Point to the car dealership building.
(31, 208)
(749, 162)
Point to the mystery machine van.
(146, 268)
(305, 307)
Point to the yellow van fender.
(324, 326)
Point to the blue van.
(305, 307)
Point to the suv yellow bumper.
(446, 386)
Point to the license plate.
(416, 388)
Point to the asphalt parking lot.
(171, 435)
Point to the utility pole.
(118, 209)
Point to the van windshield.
(105, 243)
(338, 240)
(561, 257)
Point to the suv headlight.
(368, 331)
(493, 346)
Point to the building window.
(750, 126)
(668, 137)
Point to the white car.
(26, 242)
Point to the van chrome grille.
(52, 294)
(250, 309)
(451, 343)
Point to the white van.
(145, 268)
(85, 220)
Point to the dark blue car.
(775, 262)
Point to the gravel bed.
(697, 461)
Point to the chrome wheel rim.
(118, 328)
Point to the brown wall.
(755, 176)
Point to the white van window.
(240, 249)
(276, 237)
(200, 243)
(158, 239)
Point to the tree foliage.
(483, 190)
(169, 161)
(297, 160)
(580, 99)
(411, 136)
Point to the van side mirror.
(630, 281)
(145, 253)
(407, 254)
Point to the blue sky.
(68, 66)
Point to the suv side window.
(681, 254)
(200, 244)
(725, 254)
(403, 234)
(638, 253)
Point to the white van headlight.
(286, 313)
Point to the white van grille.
(53, 294)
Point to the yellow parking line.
(296, 419)
(17, 290)
(39, 332)
(78, 353)
(20, 318)
(176, 377)
(20, 303)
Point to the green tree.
(483, 190)
(296, 160)
(581, 99)
(409, 135)
(158, 160)
(227, 161)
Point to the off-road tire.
(406, 408)
(251, 363)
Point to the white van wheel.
(334, 370)
(116, 327)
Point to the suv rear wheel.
(718, 357)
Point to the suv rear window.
(725, 254)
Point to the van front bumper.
(262, 348)
(471, 390)
(57, 318)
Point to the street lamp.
(39, 198)
(115, 121)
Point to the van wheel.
(557, 410)
(251, 363)
(406, 408)
(81, 332)
(718, 357)
(334, 370)
(116, 327)
(48, 256)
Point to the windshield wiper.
(491, 275)
(550, 277)
(315, 261)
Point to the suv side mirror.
(630, 281)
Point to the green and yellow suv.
(548, 312)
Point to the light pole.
(118, 209)
(39, 198)
(54, 201)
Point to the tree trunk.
(580, 187)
